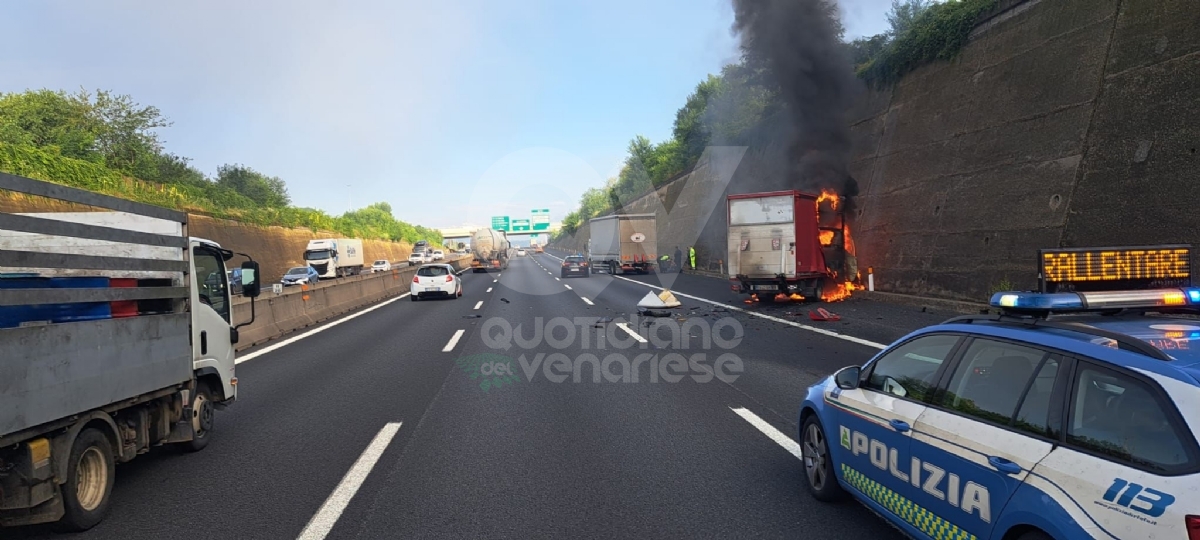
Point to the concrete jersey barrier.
(299, 307)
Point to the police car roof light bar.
(1124, 341)
(1034, 303)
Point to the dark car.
(575, 265)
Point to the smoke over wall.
(797, 43)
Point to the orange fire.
(796, 297)
(838, 293)
(828, 195)
(781, 297)
(826, 238)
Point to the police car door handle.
(1003, 465)
(899, 425)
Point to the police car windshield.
(1178, 337)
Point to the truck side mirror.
(250, 283)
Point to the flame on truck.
(842, 286)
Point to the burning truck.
(790, 246)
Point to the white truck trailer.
(625, 243)
(115, 336)
(335, 257)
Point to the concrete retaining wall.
(298, 307)
(1063, 123)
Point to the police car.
(1070, 415)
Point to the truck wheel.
(612, 268)
(90, 474)
(203, 418)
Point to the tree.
(265, 190)
(57, 121)
(126, 138)
(865, 49)
(692, 129)
(904, 12)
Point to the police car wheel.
(818, 464)
(1035, 535)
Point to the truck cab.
(322, 256)
(117, 332)
(213, 333)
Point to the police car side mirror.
(847, 377)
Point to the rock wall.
(1061, 123)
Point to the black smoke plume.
(797, 45)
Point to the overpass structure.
(463, 234)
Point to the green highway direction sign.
(540, 218)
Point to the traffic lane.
(780, 361)
(880, 322)
(304, 413)
(544, 459)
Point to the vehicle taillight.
(583, 264)
(416, 279)
(449, 278)
(564, 264)
(1192, 524)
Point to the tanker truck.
(490, 250)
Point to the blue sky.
(451, 111)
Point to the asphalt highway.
(535, 406)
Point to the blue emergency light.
(1099, 300)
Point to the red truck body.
(775, 245)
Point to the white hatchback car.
(381, 266)
(435, 280)
(438, 255)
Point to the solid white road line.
(489, 289)
(317, 330)
(821, 331)
(453, 341)
(325, 518)
(767, 429)
(567, 286)
(625, 327)
(479, 304)
(586, 301)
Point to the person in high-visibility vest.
(692, 256)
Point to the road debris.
(822, 315)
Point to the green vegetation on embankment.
(108, 144)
